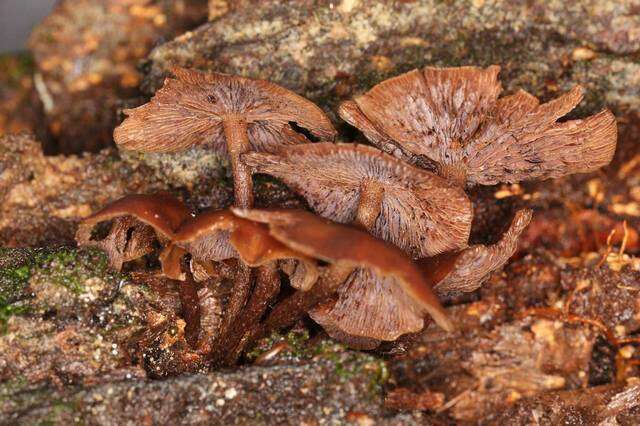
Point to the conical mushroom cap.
(465, 271)
(189, 110)
(346, 246)
(452, 117)
(420, 213)
(220, 235)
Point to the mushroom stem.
(296, 306)
(190, 309)
(243, 333)
(235, 132)
(369, 205)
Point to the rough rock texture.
(87, 53)
(42, 198)
(74, 336)
(18, 109)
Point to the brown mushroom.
(412, 208)
(465, 271)
(451, 120)
(138, 220)
(380, 276)
(230, 114)
(220, 235)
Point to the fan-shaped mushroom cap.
(220, 235)
(189, 110)
(372, 307)
(420, 212)
(346, 246)
(451, 119)
(465, 271)
(161, 214)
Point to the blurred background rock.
(17, 18)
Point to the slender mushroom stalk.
(235, 132)
(452, 121)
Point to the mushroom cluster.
(390, 223)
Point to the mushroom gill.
(450, 120)
(466, 270)
(414, 209)
(388, 278)
(230, 114)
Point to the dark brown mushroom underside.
(128, 239)
(418, 211)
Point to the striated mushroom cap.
(465, 271)
(451, 120)
(220, 235)
(369, 306)
(420, 212)
(189, 109)
(138, 221)
(346, 246)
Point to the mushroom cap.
(465, 271)
(219, 235)
(370, 306)
(346, 246)
(445, 116)
(136, 219)
(163, 212)
(421, 213)
(189, 110)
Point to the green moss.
(70, 268)
(66, 267)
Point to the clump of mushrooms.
(232, 115)
(414, 209)
(451, 121)
(385, 294)
(394, 231)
